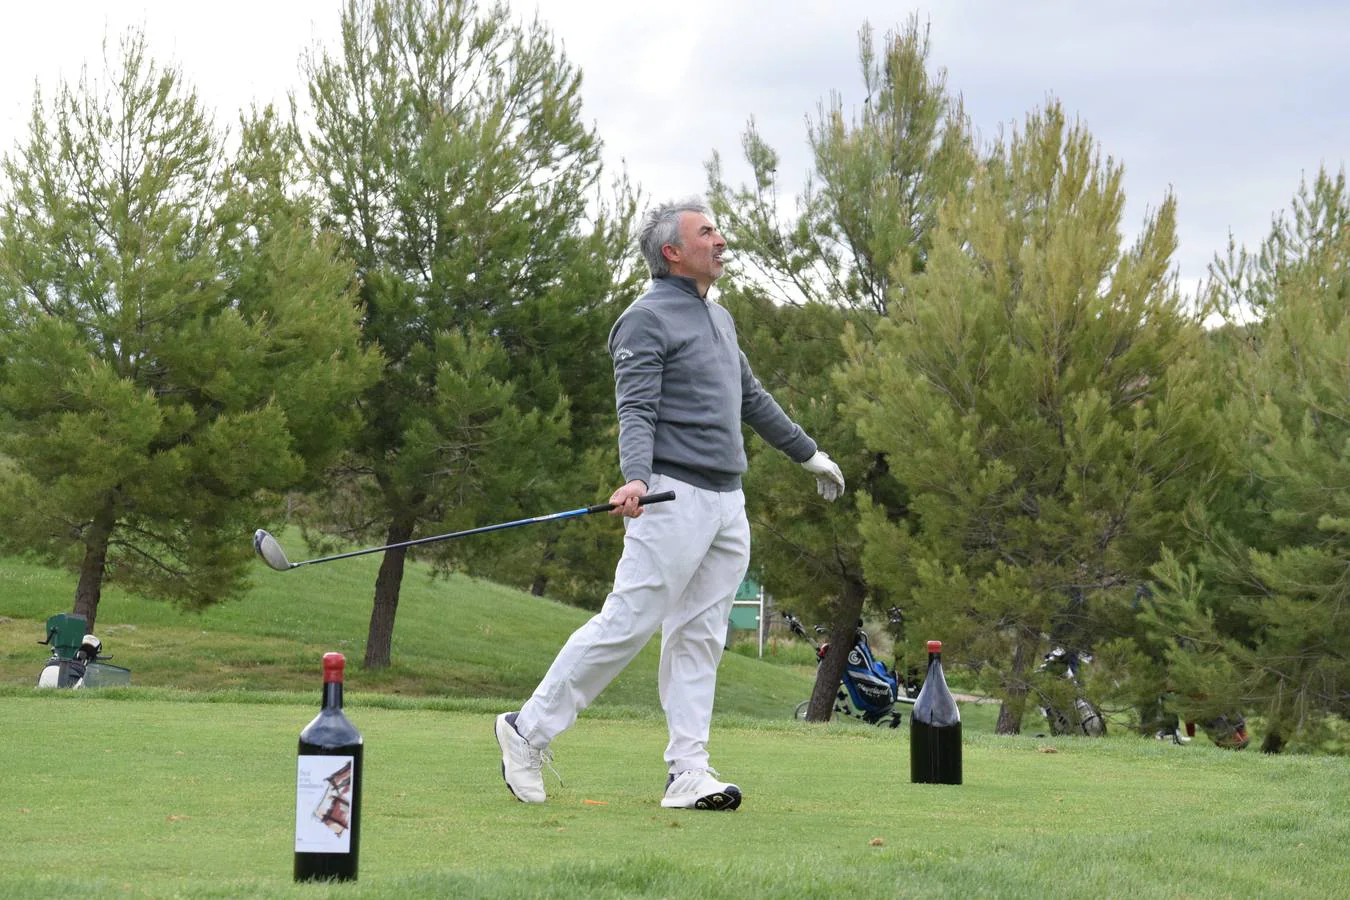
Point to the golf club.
(267, 547)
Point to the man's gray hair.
(661, 226)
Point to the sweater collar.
(684, 284)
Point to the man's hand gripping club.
(625, 499)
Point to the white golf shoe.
(522, 765)
(700, 789)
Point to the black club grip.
(642, 501)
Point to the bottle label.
(323, 804)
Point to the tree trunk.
(843, 631)
(539, 583)
(1015, 694)
(380, 639)
(92, 568)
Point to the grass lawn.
(154, 794)
(183, 784)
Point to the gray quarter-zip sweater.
(682, 387)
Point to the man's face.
(699, 255)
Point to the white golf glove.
(829, 480)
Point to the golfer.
(682, 387)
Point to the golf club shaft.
(567, 514)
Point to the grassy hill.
(454, 637)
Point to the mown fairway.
(183, 784)
(157, 797)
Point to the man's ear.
(671, 252)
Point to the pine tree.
(1260, 617)
(450, 148)
(863, 221)
(1040, 392)
(180, 345)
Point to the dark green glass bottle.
(935, 728)
(328, 788)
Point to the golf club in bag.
(87, 668)
(271, 553)
(869, 690)
(1083, 717)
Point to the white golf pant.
(682, 562)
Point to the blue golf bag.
(869, 689)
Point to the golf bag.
(869, 690)
(1082, 717)
(1228, 731)
(70, 673)
(76, 659)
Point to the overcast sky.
(1227, 104)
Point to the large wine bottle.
(935, 728)
(328, 788)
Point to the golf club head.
(267, 547)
